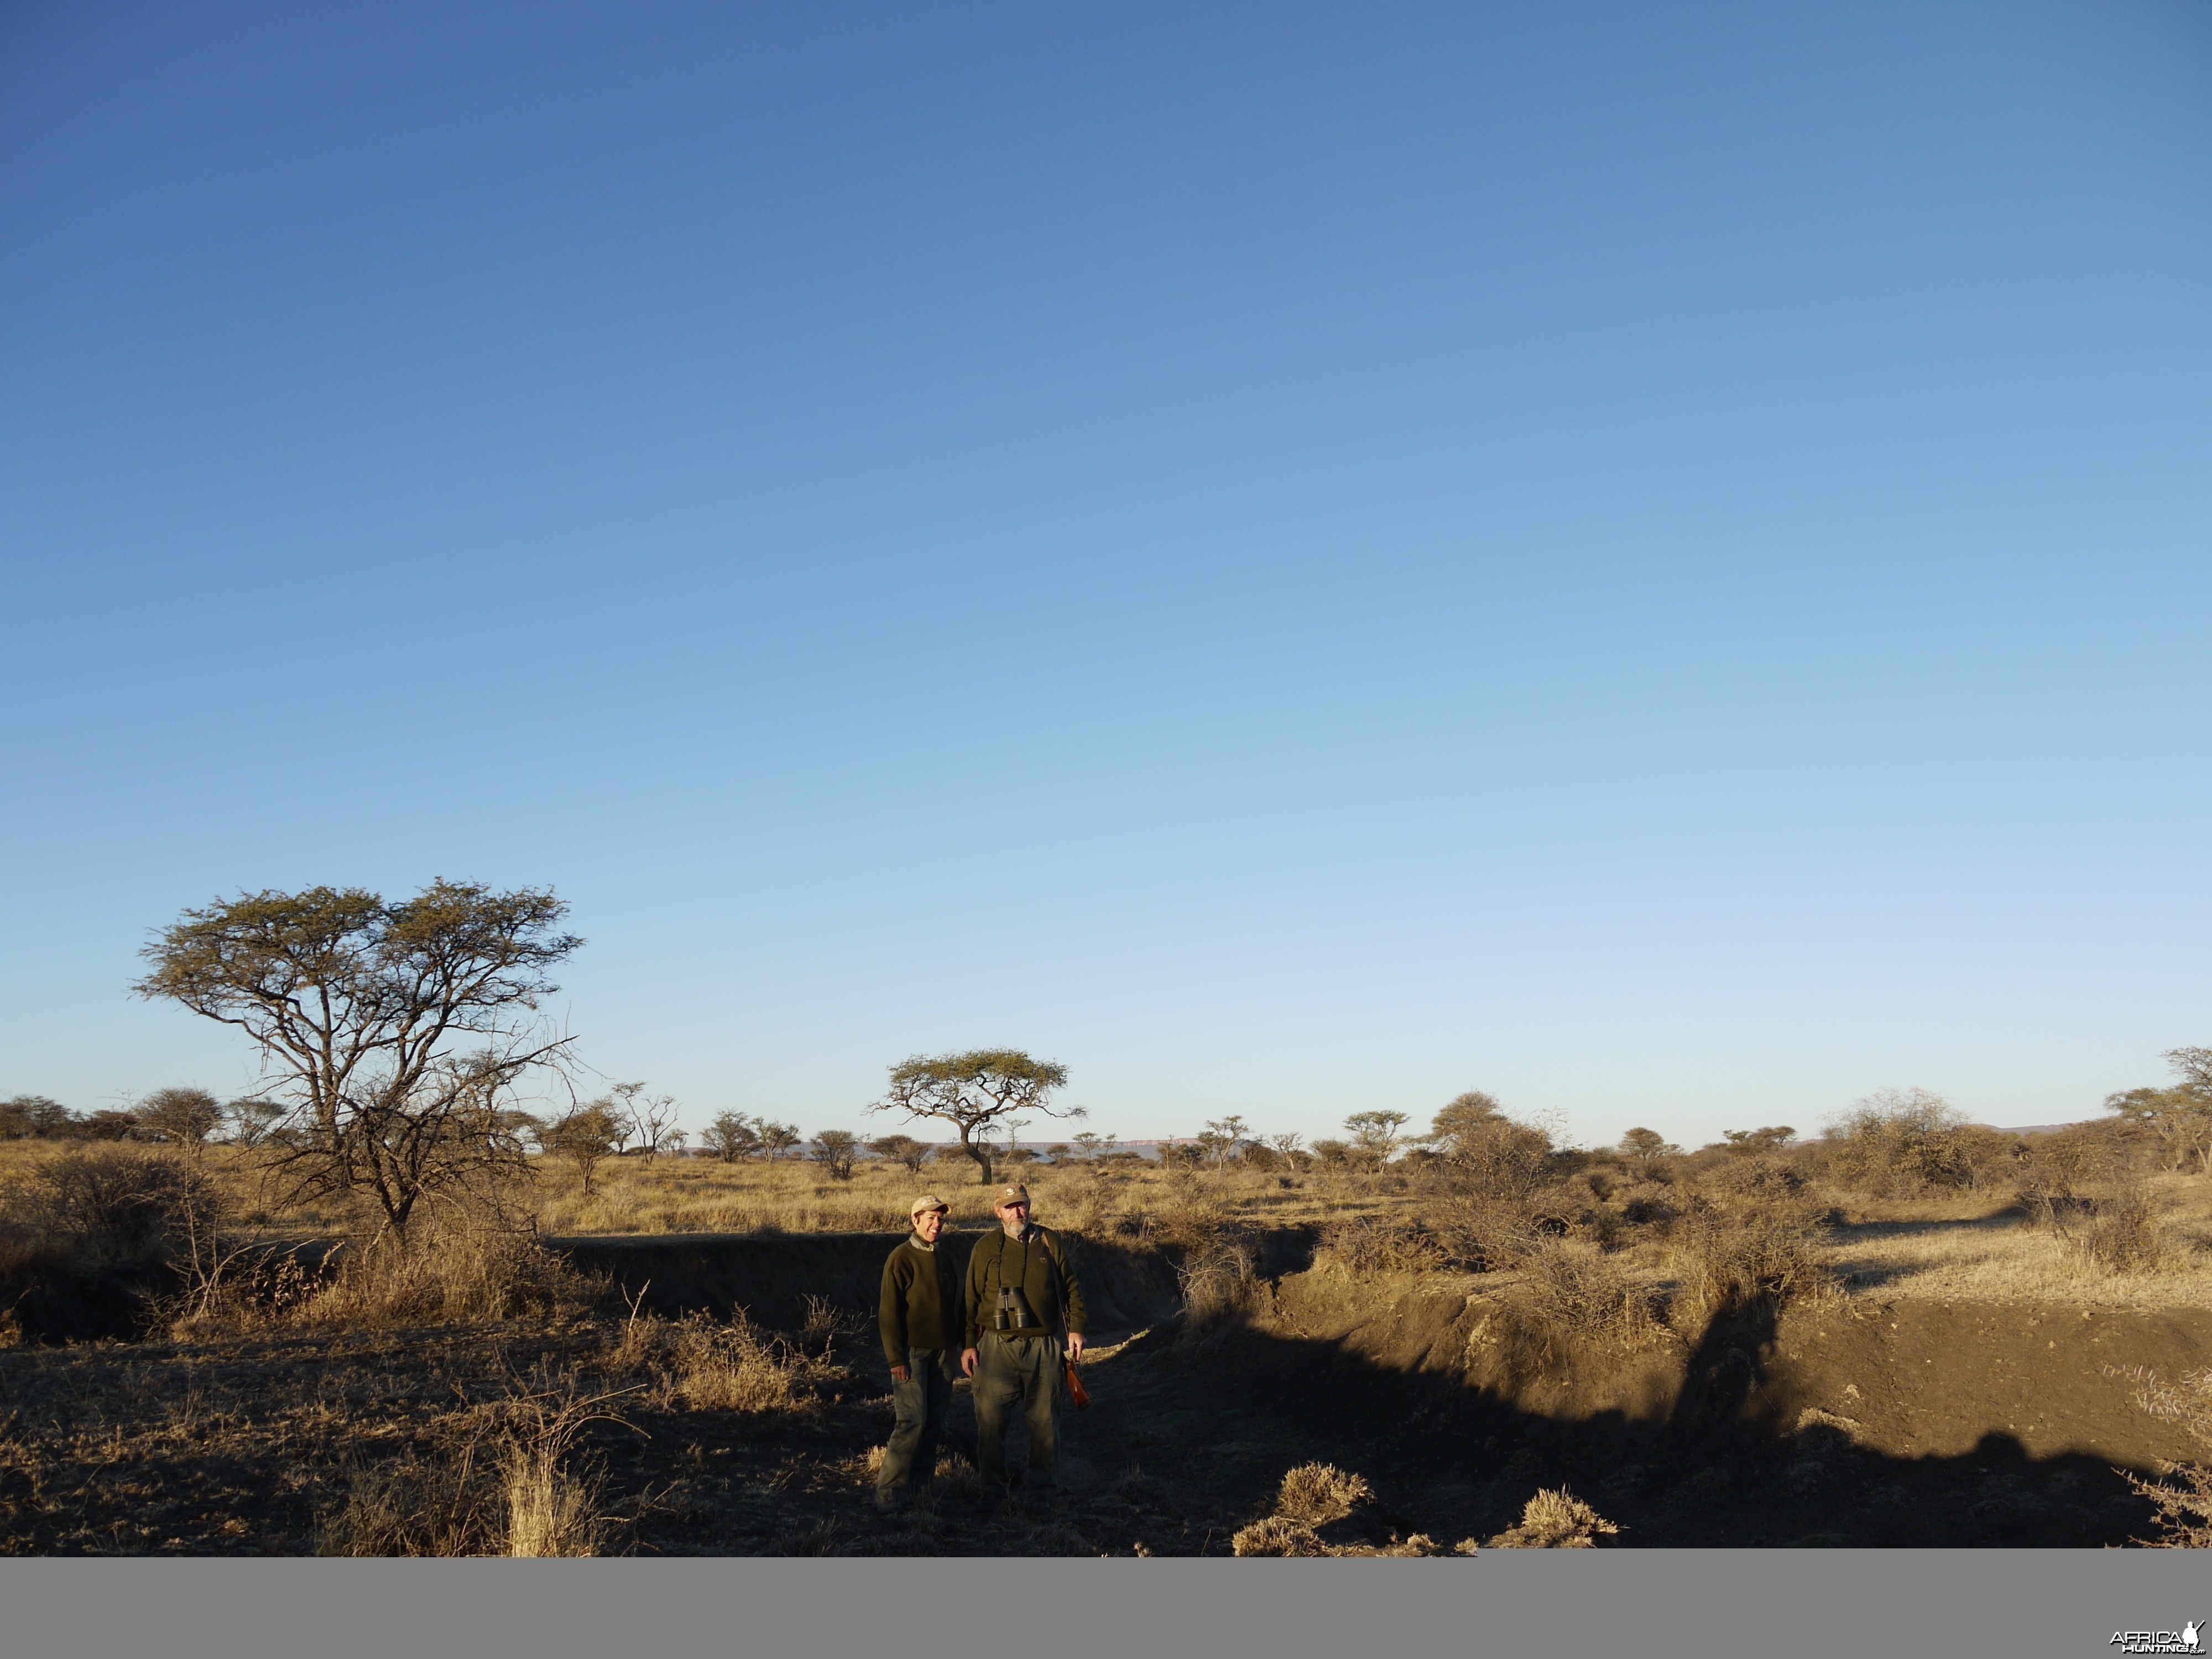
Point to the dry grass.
(1555, 1520)
(1949, 1250)
(702, 1364)
(1317, 1495)
(506, 1480)
(1728, 1229)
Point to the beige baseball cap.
(929, 1201)
(1015, 1193)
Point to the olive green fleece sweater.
(920, 1300)
(1037, 1261)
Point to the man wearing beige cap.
(919, 1316)
(1021, 1298)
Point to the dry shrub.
(107, 1204)
(1728, 1256)
(1574, 1289)
(1218, 1278)
(826, 1323)
(2118, 1231)
(2183, 1494)
(1193, 1214)
(1493, 1159)
(1555, 1521)
(1760, 1180)
(1900, 1142)
(446, 1275)
(1377, 1244)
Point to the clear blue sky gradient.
(1650, 560)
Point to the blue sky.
(1650, 560)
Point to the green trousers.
(921, 1406)
(1010, 1369)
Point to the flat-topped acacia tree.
(975, 1092)
(393, 1034)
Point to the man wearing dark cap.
(1023, 1310)
(919, 1316)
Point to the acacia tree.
(2180, 1117)
(585, 1135)
(34, 1117)
(1218, 1141)
(1747, 1143)
(1489, 1155)
(730, 1136)
(1647, 1145)
(650, 1119)
(1374, 1136)
(978, 1093)
(835, 1150)
(777, 1138)
(252, 1119)
(900, 1149)
(183, 1117)
(395, 1033)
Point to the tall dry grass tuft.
(1555, 1520)
(553, 1501)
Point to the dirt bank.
(1903, 1378)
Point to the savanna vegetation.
(378, 1305)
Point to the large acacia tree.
(393, 1034)
(976, 1093)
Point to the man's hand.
(968, 1362)
(899, 1373)
(1075, 1345)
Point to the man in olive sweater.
(920, 1317)
(1022, 1296)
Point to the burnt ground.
(1900, 1423)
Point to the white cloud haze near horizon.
(1654, 564)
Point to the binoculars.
(1013, 1312)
